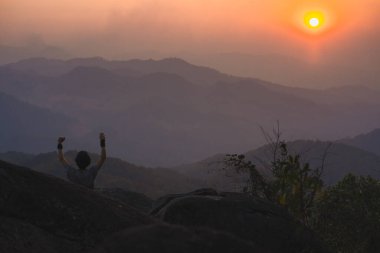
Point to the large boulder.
(129, 198)
(250, 218)
(60, 216)
(176, 239)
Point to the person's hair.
(83, 160)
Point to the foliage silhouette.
(347, 215)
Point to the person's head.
(83, 160)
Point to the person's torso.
(84, 177)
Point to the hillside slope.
(114, 174)
(170, 112)
(29, 128)
(368, 141)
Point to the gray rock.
(55, 209)
(247, 217)
(175, 239)
(18, 236)
(129, 198)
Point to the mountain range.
(338, 159)
(293, 70)
(170, 112)
(368, 141)
(29, 127)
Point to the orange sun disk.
(314, 22)
(314, 19)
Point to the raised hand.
(102, 139)
(103, 154)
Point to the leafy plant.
(291, 183)
(347, 215)
(256, 184)
(295, 185)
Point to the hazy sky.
(121, 28)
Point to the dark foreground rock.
(176, 239)
(129, 198)
(249, 218)
(20, 236)
(40, 213)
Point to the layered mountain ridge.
(169, 112)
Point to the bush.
(293, 185)
(347, 215)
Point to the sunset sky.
(142, 28)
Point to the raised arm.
(61, 157)
(103, 154)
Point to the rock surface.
(56, 215)
(176, 239)
(41, 213)
(129, 198)
(249, 218)
(19, 236)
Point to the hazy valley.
(169, 112)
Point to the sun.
(314, 19)
(314, 22)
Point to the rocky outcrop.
(56, 216)
(247, 217)
(176, 239)
(20, 236)
(129, 198)
(41, 213)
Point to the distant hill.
(17, 53)
(369, 141)
(341, 159)
(115, 173)
(292, 71)
(169, 112)
(337, 96)
(196, 74)
(29, 128)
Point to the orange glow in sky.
(315, 20)
(171, 26)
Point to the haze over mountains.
(368, 141)
(277, 68)
(29, 127)
(337, 159)
(34, 47)
(168, 112)
(294, 71)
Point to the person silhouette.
(82, 175)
